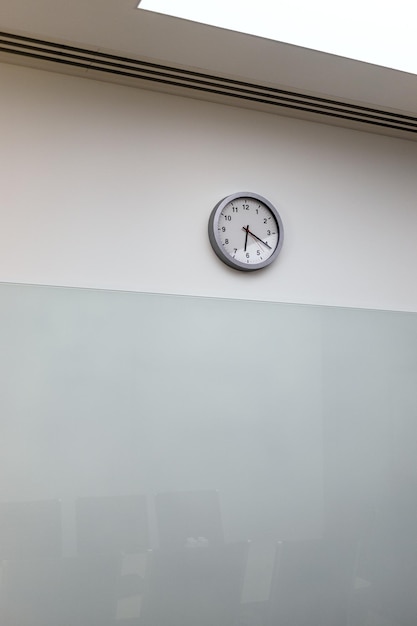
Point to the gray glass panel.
(261, 455)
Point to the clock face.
(245, 231)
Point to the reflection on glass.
(30, 529)
(189, 519)
(112, 525)
(174, 461)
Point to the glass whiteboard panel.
(189, 426)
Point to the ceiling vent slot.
(196, 83)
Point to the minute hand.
(258, 238)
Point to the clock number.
(268, 232)
(265, 220)
(224, 229)
(235, 209)
(245, 207)
(228, 218)
(247, 255)
(226, 241)
(258, 252)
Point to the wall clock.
(245, 231)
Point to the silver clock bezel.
(217, 245)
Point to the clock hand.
(247, 232)
(255, 237)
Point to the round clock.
(245, 231)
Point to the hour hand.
(247, 233)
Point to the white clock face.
(245, 231)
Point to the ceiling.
(113, 40)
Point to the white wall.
(111, 187)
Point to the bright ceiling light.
(374, 31)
